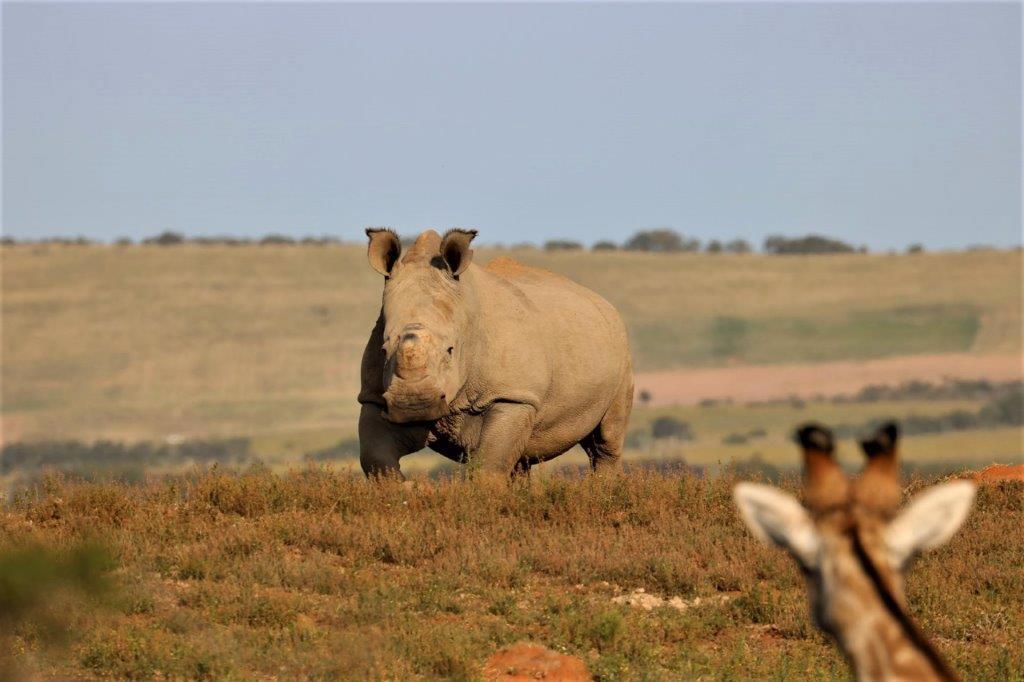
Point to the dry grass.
(317, 574)
(145, 342)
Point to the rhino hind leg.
(604, 444)
(521, 471)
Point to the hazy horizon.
(877, 124)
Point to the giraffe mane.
(894, 609)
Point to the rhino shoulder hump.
(503, 266)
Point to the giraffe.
(853, 546)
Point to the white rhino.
(501, 366)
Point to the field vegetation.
(316, 573)
(183, 497)
(943, 433)
(145, 342)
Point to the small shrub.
(636, 439)
(562, 245)
(605, 630)
(662, 240)
(166, 239)
(346, 449)
(1007, 409)
(276, 239)
(755, 467)
(812, 243)
(728, 336)
(670, 427)
(738, 246)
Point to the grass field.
(145, 342)
(711, 425)
(319, 575)
(295, 571)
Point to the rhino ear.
(384, 249)
(455, 250)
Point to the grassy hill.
(319, 575)
(144, 342)
(314, 573)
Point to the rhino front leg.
(506, 431)
(382, 444)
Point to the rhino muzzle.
(417, 401)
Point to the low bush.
(1005, 409)
(103, 457)
(562, 245)
(165, 239)
(670, 427)
(662, 240)
(346, 449)
(812, 243)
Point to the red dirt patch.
(524, 662)
(767, 382)
(999, 472)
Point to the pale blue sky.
(882, 124)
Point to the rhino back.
(552, 339)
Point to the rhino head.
(424, 320)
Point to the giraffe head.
(853, 546)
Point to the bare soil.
(524, 662)
(1000, 472)
(767, 382)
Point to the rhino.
(501, 366)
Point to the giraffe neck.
(878, 649)
(885, 642)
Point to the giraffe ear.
(778, 518)
(929, 520)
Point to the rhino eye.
(450, 349)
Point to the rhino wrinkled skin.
(501, 366)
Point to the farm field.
(149, 342)
(711, 425)
(283, 563)
(263, 343)
(315, 574)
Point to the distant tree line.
(170, 238)
(58, 241)
(76, 457)
(1006, 410)
(659, 240)
(949, 389)
(663, 428)
(346, 449)
(666, 240)
(274, 239)
(130, 461)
